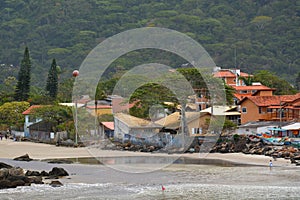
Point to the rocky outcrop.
(57, 172)
(248, 146)
(12, 177)
(23, 158)
(4, 165)
(128, 146)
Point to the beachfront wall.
(41, 131)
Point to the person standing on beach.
(270, 164)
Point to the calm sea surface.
(181, 181)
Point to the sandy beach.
(181, 180)
(10, 149)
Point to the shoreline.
(38, 151)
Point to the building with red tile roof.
(231, 76)
(270, 108)
(30, 109)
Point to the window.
(269, 110)
(196, 130)
(244, 110)
(259, 110)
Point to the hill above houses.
(251, 35)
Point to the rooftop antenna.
(235, 57)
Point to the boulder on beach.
(56, 184)
(23, 158)
(4, 165)
(58, 171)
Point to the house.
(259, 127)
(292, 130)
(128, 128)
(257, 89)
(196, 123)
(119, 104)
(270, 108)
(106, 129)
(99, 109)
(230, 112)
(41, 131)
(30, 119)
(231, 76)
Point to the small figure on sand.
(270, 164)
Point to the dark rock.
(44, 173)
(5, 184)
(56, 171)
(56, 184)
(19, 182)
(293, 161)
(23, 158)
(36, 180)
(32, 173)
(16, 171)
(4, 165)
(59, 161)
(4, 173)
(297, 157)
(16, 178)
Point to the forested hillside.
(250, 34)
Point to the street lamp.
(75, 74)
(96, 118)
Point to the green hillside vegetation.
(250, 34)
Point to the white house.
(135, 130)
(29, 119)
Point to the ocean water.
(181, 181)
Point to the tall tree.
(52, 81)
(11, 114)
(23, 84)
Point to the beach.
(223, 176)
(11, 149)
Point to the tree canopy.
(252, 35)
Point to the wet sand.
(10, 149)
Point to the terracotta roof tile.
(227, 73)
(29, 110)
(272, 100)
(221, 74)
(241, 96)
(252, 87)
(109, 125)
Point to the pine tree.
(23, 84)
(52, 81)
